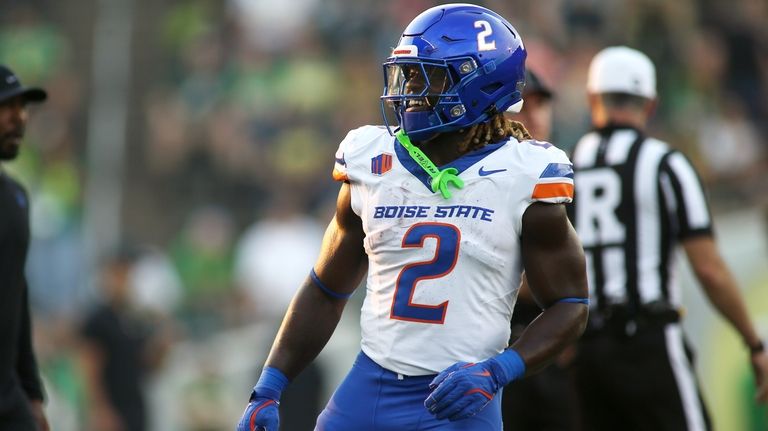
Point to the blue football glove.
(262, 414)
(463, 389)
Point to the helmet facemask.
(419, 96)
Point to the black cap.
(534, 85)
(10, 86)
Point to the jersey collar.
(461, 164)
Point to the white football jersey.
(443, 274)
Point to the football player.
(439, 215)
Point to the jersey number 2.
(446, 253)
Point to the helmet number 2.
(482, 43)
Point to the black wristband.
(757, 348)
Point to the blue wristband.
(584, 301)
(271, 383)
(325, 289)
(507, 366)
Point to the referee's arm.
(721, 289)
(695, 233)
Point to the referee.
(636, 201)
(21, 393)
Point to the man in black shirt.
(21, 392)
(120, 345)
(113, 353)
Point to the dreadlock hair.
(495, 129)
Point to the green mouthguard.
(440, 179)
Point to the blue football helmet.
(455, 65)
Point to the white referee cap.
(619, 69)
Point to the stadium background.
(202, 133)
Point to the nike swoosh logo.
(484, 373)
(484, 173)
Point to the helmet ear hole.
(491, 88)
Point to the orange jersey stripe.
(339, 176)
(553, 190)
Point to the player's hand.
(261, 414)
(461, 391)
(760, 368)
(446, 372)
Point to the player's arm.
(555, 273)
(554, 263)
(316, 308)
(313, 313)
(721, 289)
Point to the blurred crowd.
(235, 110)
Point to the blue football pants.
(372, 398)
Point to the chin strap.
(440, 179)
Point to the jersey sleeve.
(353, 163)
(545, 174)
(340, 170)
(551, 173)
(684, 196)
(350, 165)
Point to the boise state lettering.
(401, 211)
(440, 211)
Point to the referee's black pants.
(545, 401)
(643, 381)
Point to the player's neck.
(444, 148)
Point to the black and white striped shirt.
(635, 200)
